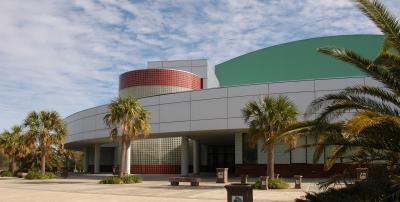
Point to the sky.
(66, 55)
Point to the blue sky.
(66, 55)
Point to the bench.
(194, 181)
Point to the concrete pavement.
(154, 188)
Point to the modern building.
(196, 122)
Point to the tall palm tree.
(48, 130)
(15, 145)
(266, 118)
(127, 119)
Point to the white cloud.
(67, 55)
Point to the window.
(249, 150)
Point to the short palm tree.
(48, 130)
(266, 118)
(127, 119)
(15, 145)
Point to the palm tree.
(48, 130)
(132, 120)
(377, 107)
(371, 134)
(15, 145)
(266, 118)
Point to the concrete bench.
(194, 181)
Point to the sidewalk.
(154, 188)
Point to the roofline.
(302, 40)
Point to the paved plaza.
(154, 188)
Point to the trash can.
(222, 175)
(239, 192)
(297, 181)
(264, 182)
(362, 174)
(243, 179)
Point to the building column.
(196, 156)
(185, 156)
(238, 148)
(97, 158)
(128, 158)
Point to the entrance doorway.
(221, 157)
(216, 151)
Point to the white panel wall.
(154, 113)
(214, 124)
(302, 100)
(175, 97)
(261, 89)
(235, 104)
(291, 87)
(336, 84)
(209, 109)
(175, 112)
(210, 94)
(175, 127)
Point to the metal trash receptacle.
(239, 192)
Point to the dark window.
(249, 150)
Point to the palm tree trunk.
(122, 157)
(271, 161)
(13, 164)
(43, 163)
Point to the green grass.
(36, 175)
(128, 179)
(273, 184)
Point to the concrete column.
(97, 158)
(128, 158)
(196, 152)
(185, 156)
(238, 148)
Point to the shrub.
(131, 179)
(277, 184)
(128, 179)
(36, 175)
(6, 174)
(376, 188)
(273, 184)
(111, 180)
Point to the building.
(196, 122)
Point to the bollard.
(243, 179)
(362, 174)
(222, 175)
(239, 192)
(264, 182)
(297, 181)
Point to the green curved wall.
(296, 61)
